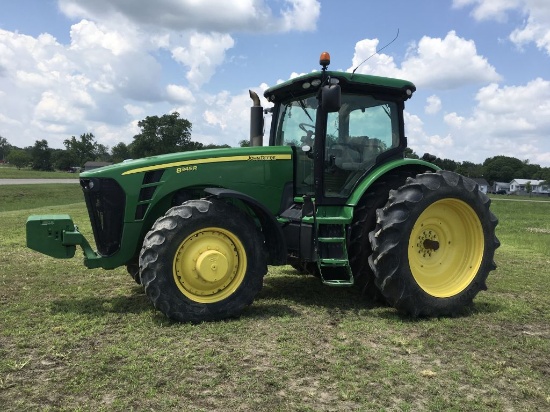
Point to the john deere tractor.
(332, 195)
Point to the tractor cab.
(340, 126)
(364, 128)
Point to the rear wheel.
(203, 261)
(434, 244)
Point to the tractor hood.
(175, 160)
(150, 162)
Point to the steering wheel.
(303, 127)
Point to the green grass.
(79, 339)
(10, 172)
(18, 197)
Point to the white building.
(519, 186)
(482, 183)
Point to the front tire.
(434, 244)
(202, 261)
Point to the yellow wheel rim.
(209, 265)
(446, 248)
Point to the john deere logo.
(262, 157)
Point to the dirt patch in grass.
(538, 230)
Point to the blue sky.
(69, 67)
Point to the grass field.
(21, 197)
(79, 339)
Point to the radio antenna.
(376, 52)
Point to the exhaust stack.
(256, 121)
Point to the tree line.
(493, 169)
(165, 134)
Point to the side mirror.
(331, 98)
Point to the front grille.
(105, 201)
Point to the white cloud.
(489, 9)
(230, 115)
(421, 142)
(88, 36)
(447, 63)
(509, 120)
(195, 32)
(179, 94)
(8, 121)
(133, 110)
(302, 15)
(377, 64)
(109, 75)
(206, 15)
(436, 63)
(535, 27)
(202, 55)
(433, 104)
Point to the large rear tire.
(434, 244)
(203, 261)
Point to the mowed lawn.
(79, 339)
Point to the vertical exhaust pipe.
(256, 121)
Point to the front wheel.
(202, 261)
(434, 244)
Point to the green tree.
(528, 188)
(244, 143)
(64, 160)
(470, 169)
(196, 146)
(502, 169)
(529, 171)
(166, 134)
(120, 152)
(84, 148)
(214, 146)
(19, 158)
(545, 177)
(5, 148)
(41, 156)
(102, 153)
(447, 164)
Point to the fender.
(412, 164)
(273, 234)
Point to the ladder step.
(333, 220)
(334, 262)
(338, 282)
(333, 275)
(332, 239)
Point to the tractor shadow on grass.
(306, 290)
(285, 293)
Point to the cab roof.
(349, 82)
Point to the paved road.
(35, 181)
(520, 200)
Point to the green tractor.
(332, 195)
